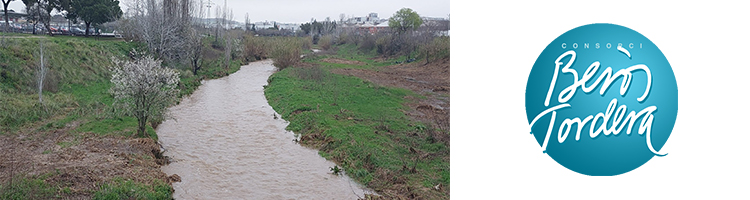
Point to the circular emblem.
(601, 100)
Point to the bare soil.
(79, 161)
(431, 80)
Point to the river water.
(225, 144)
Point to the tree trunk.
(88, 24)
(42, 71)
(49, 30)
(195, 67)
(5, 8)
(142, 126)
(428, 55)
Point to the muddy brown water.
(225, 144)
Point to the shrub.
(307, 43)
(367, 44)
(314, 73)
(287, 52)
(384, 45)
(438, 48)
(315, 39)
(256, 47)
(218, 44)
(325, 42)
(343, 38)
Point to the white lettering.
(614, 114)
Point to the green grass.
(127, 189)
(27, 188)
(351, 52)
(361, 126)
(18, 109)
(77, 69)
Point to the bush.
(315, 39)
(256, 47)
(325, 42)
(287, 52)
(438, 48)
(307, 43)
(396, 44)
(218, 44)
(384, 45)
(314, 73)
(367, 44)
(343, 38)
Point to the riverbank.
(72, 146)
(390, 135)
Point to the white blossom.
(144, 89)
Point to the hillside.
(73, 145)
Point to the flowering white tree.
(144, 89)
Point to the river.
(225, 144)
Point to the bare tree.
(33, 15)
(144, 89)
(43, 10)
(247, 22)
(217, 23)
(39, 11)
(228, 39)
(194, 41)
(328, 26)
(193, 38)
(159, 27)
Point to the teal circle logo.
(601, 100)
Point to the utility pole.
(208, 5)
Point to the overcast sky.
(298, 11)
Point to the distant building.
(13, 16)
(289, 26)
(371, 18)
(264, 25)
(439, 26)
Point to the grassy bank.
(362, 126)
(74, 118)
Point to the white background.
(494, 47)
